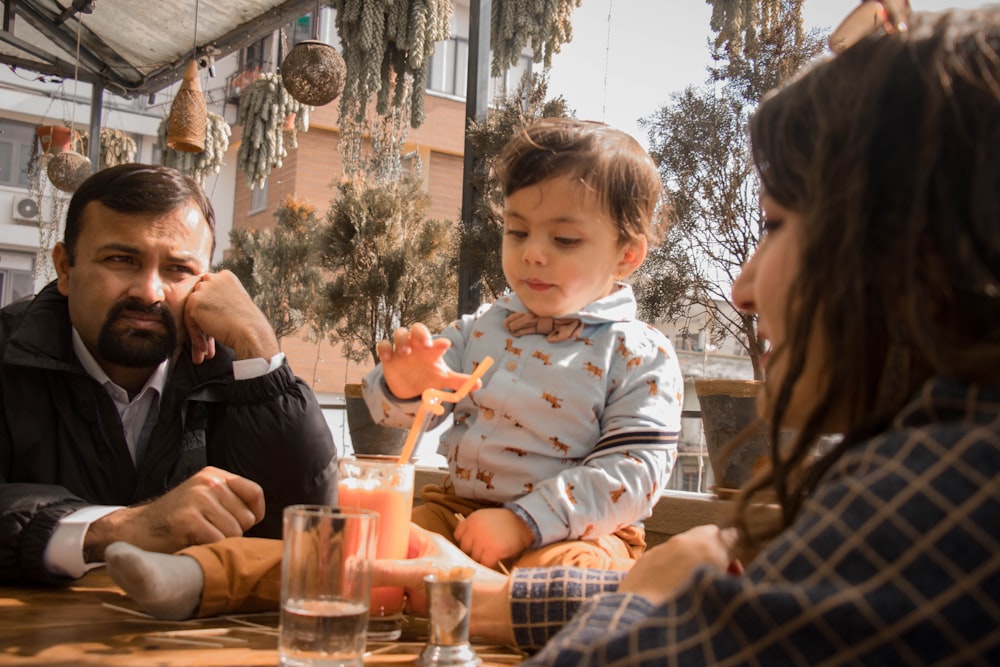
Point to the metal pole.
(96, 110)
(476, 101)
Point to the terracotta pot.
(727, 408)
(367, 437)
(54, 138)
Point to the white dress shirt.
(64, 552)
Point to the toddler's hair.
(609, 162)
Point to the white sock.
(167, 586)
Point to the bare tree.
(699, 141)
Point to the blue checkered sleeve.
(543, 600)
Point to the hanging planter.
(69, 169)
(264, 106)
(188, 114)
(54, 138)
(313, 73)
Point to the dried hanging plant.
(513, 23)
(387, 47)
(117, 147)
(198, 165)
(264, 106)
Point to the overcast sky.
(627, 56)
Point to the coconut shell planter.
(313, 73)
(68, 170)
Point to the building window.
(15, 276)
(449, 70)
(258, 198)
(15, 151)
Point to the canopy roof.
(134, 47)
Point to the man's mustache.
(137, 306)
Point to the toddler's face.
(560, 248)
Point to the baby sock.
(168, 587)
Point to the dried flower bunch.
(387, 47)
(545, 24)
(198, 165)
(264, 105)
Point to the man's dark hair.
(135, 188)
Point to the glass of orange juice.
(385, 486)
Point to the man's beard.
(136, 348)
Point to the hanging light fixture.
(313, 71)
(188, 120)
(69, 168)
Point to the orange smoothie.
(387, 490)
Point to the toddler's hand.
(492, 535)
(414, 361)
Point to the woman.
(878, 289)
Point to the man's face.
(130, 280)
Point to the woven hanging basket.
(313, 73)
(68, 170)
(188, 119)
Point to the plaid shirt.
(894, 560)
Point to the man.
(143, 398)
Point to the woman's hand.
(662, 570)
(430, 553)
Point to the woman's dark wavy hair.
(608, 161)
(135, 188)
(891, 153)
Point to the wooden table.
(90, 624)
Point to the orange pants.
(243, 574)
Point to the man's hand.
(662, 570)
(219, 309)
(492, 535)
(430, 553)
(414, 361)
(209, 506)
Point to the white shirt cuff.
(246, 369)
(64, 552)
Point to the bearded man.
(144, 398)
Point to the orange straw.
(430, 402)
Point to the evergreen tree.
(278, 266)
(390, 265)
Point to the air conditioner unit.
(25, 210)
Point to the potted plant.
(390, 267)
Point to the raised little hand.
(492, 535)
(414, 361)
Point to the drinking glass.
(326, 576)
(384, 486)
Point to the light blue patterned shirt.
(579, 435)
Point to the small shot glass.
(449, 603)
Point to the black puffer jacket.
(62, 445)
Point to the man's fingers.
(251, 495)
